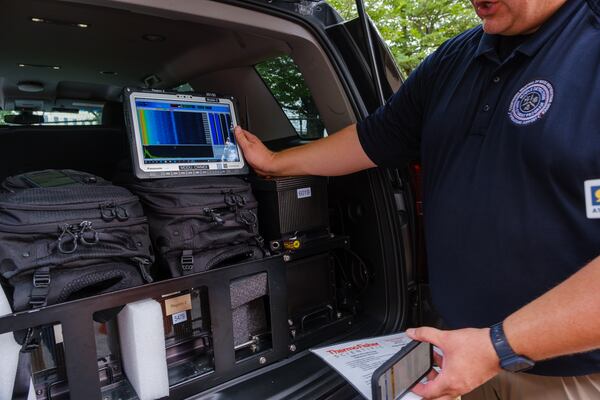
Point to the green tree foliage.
(414, 28)
(285, 81)
(3, 113)
(411, 28)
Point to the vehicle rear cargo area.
(335, 249)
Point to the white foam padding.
(143, 348)
(9, 349)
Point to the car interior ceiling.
(213, 55)
(213, 46)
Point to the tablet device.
(181, 135)
(394, 378)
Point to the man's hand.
(469, 361)
(337, 154)
(255, 152)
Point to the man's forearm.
(565, 320)
(338, 154)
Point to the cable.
(360, 275)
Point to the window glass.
(285, 81)
(88, 116)
(184, 87)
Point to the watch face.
(517, 364)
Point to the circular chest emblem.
(531, 102)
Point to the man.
(506, 121)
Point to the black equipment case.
(291, 205)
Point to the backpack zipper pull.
(86, 226)
(67, 236)
(230, 199)
(240, 200)
(107, 211)
(110, 210)
(121, 213)
(216, 218)
(144, 265)
(249, 218)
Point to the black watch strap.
(509, 360)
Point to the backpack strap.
(32, 336)
(22, 377)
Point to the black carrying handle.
(249, 251)
(95, 283)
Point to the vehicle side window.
(184, 87)
(87, 116)
(285, 81)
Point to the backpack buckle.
(187, 260)
(37, 301)
(41, 288)
(41, 279)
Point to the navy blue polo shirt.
(510, 151)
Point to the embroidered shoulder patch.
(592, 198)
(531, 102)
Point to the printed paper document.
(357, 360)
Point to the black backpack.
(201, 223)
(66, 235)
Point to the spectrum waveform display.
(182, 130)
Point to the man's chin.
(492, 27)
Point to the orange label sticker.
(178, 304)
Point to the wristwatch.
(509, 360)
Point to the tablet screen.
(181, 135)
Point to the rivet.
(286, 257)
(262, 360)
(292, 347)
(26, 254)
